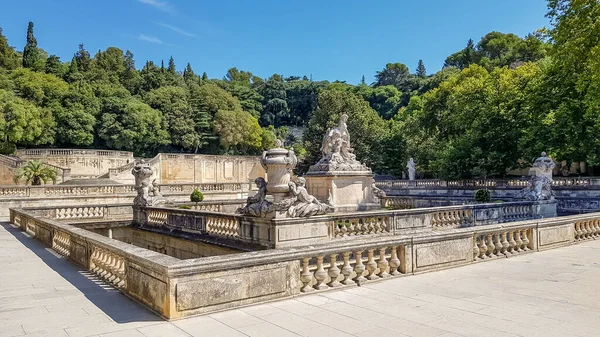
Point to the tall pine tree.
(421, 71)
(188, 73)
(31, 53)
(171, 68)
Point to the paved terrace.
(551, 293)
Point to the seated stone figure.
(257, 205)
(305, 204)
(337, 152)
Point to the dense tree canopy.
(497, 101)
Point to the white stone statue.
(411, 169)
(147, 192)
(337, 152)
(257, 205)
(540, 184)
(305, 204)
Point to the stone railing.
(503, 242)
(62, 173)
(335, 268)
(174, 288)
(77, 213)
(75, 190)
(73, 152)
(115, 262)
(558, 182)
(287, 232)
(10, 161)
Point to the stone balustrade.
(76, 190)
(502, 242)
(454, 218)
(72, 152)
(174, 288)
(361, 225)
(288, 232)
(331, 269)
(558, 182)
(108, 266)
(587, 229)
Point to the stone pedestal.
(347, 191)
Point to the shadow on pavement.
(111, 301)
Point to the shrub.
(482, 196)
(184, 207)
(196, 196)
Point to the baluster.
(306, 276)
(525, 239)
(588, 229)
(394, 261)
(346, 269)
(518, 240)
(505, 244)
(359, 268)
(512, 243)
(320, 274)
(491, 247)
(475, 248)
(333, 271)
(383, 264)
(497, 244)
(578, 231)
(351, 228)
(482, 247)
(371, 265)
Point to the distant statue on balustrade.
(337, 152)
(411, 169)
(304, 204)
(257, 205)
(540, 183)
(147, 192)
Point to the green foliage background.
(496, 103)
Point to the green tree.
(396, 74)
(177, 112)
(35, 172)
(54, 66)
(83, 58)
(8, 57)
(133, 126)
(421, 71)
(573, 82)
(31, 53)
(238, 131)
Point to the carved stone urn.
(279, 164)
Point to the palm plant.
(35, 172)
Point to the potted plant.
(196, 196)
(482, 196)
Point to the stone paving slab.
(551, 293)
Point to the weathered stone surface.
(235, 286)
(554, 236)
(147, 289)
(442, 254)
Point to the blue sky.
(330, 39)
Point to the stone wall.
(184, 168)
(82, 162)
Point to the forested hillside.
(496, 101)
